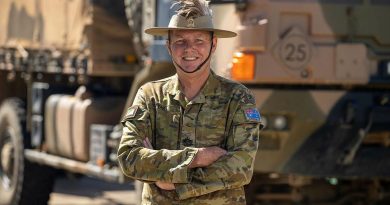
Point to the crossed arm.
(193, 171)
(190, 172)
(203, 158)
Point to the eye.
(199, 41)
(179, 42)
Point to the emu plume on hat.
(191, 15)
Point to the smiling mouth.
(190, 58)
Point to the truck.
(66, 70)
(319, 70)
(69, 69)
(320, 74)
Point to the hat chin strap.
(199, 67)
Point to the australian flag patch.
(252, 114)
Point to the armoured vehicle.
(320, 73)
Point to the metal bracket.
(348, 158)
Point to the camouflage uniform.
(223, 114)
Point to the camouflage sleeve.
(234, 169)
(143, 163)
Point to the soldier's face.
(189, 49)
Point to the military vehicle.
(319, 70)
(68, 71)
(320, 73)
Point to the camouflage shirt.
(223, 114)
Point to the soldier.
(192, 138)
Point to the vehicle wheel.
(137, 21)
(18, 186)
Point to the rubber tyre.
(21, 182)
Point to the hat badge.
(190, 23)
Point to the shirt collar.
(211, 88)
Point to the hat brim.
(163, 31)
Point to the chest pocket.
(167, 126)
(211, 129)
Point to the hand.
(165, 185)
(207, 156)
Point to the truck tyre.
(21, 182)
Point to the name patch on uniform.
(252, 114)
(132, 111)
